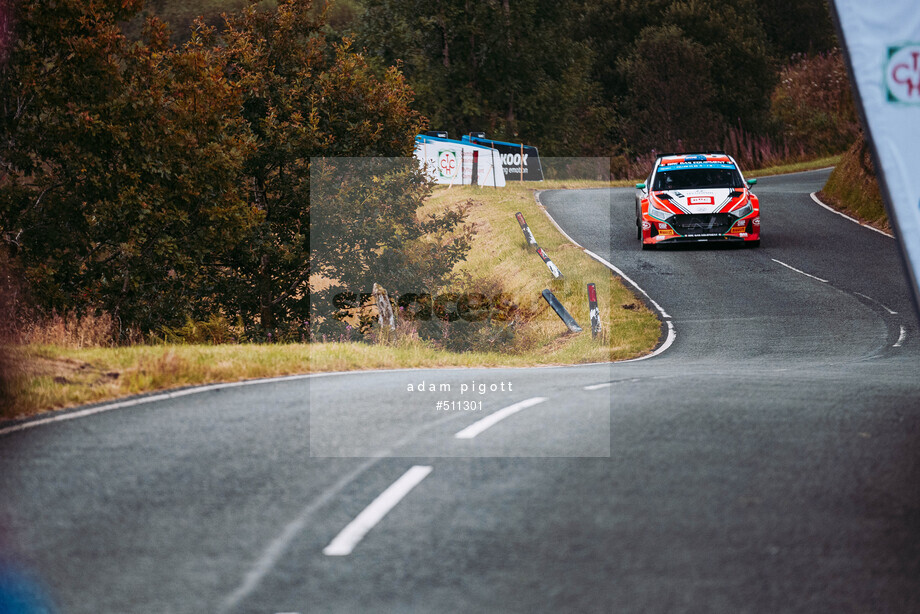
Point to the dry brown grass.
(72, 330)
(853, 188)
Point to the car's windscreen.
(696, 178)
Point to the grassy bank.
(48, 376)
(853, 188)
(55, 376)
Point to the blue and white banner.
(882, 43)
(450, 162)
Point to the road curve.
(767, 461)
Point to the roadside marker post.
(564, 315)
(594, 311)
(549, 263)
(525, 229)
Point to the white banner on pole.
(449, 162)
(882, 44)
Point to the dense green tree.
(302, 98)
(160, 183)
(669, 104)
(119, 162)
(512, 68)
(729, 66)
(743, 72)
(365, 230)
(803, 26)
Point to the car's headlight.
(743, 211)
(657, 212)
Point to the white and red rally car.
(692, 197)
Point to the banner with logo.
(882, 44)
(450, 162)
(519, 162)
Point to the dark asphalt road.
(768, 461)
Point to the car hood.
(709, 200)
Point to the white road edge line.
(148, 399)
(601, 260)
(354, 532)
(668, 342)
(492, 419)
(165, 396)
(901, 338)
(671, 334)
(882, 305)
(823, 281)
(610, 266)
(814, 197)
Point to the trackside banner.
(519, 162)
(882, 43)
(450, 162)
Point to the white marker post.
(526, 229)
(594, 311)
(882, 46)
(549, 264)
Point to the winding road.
(767, 461)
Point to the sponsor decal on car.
(685, 165)
(701, 200)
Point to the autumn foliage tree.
(160, 183)
(365, 230)
(301, 97)
(120, 163)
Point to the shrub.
(812, 107)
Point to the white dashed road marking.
(355, 531)
(492, 419)
(823, 281)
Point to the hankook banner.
(519, 162)
(882, 45)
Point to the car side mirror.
(751, 181)
(640, 186)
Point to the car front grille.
(702, 223)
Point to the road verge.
(52, 377)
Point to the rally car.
(693, 197)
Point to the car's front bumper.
(695, 228)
